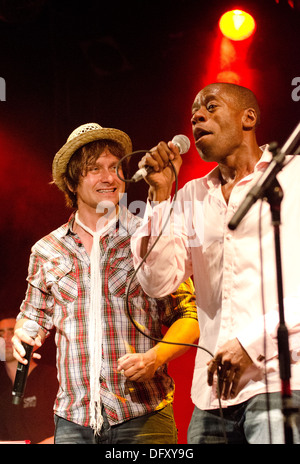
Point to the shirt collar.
(69, 224)
(265, 158)
(212, 179)
(127, 221)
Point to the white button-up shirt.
(234, 273)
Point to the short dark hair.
(80, 161)
(243, 96)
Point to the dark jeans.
(244, 423)
(156, 428)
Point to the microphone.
(32, 328)
(183, 144)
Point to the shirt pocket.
(119, 274)
(61, 277)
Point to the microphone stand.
(269, 188)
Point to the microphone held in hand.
(32, 328)
(183, 144)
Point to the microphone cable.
(148, 253)
(134, 323)
(297, 152)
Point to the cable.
(146, 256)
(138, 268)
(193, 345)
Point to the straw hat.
(80, 137)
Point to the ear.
(70, 187)
(249, 119)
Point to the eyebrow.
(206, 98)
(97, 161)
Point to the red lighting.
(237, 25)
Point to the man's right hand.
(162, 177)
(20, 335)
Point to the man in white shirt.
(237, 326)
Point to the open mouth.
(199, 133)
(111, 190)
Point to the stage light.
(237, 25)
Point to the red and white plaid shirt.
(58, 295)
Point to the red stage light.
(237, 25)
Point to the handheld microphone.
(183, 144)
(32, 328)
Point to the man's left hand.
(138, 367)
(230, 362)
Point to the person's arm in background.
(184, 328)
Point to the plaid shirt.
(58, 296)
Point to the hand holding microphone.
(31, 329)
(158, 163)
(158, 158)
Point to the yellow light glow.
(237, 25)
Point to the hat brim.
(63, 156)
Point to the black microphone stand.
(269, 188)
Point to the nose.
(106, 176)
(198, 116)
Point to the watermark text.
(2, 89)
(296, 90)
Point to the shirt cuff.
(260, 346)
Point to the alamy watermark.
(2, 349)
(175, 219)
(296, 91)
(2, 89)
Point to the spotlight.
(237, 25)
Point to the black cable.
(146, 256)
(157, 340)
(191, 344)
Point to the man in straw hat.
(114, 384)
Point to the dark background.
(132, 65)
